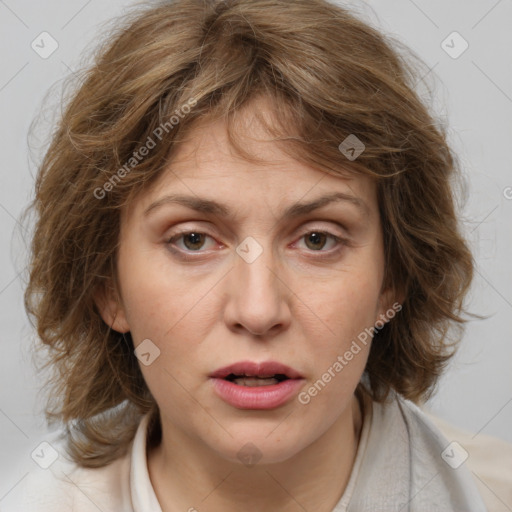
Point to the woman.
(246, 266)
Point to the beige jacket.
(489, 460)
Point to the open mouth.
(252, 385)
(255, 381)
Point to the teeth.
(255, 381)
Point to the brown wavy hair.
(328, 74)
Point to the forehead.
(205, 163)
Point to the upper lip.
(253, 369)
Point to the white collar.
(399, 467)
(141, 490)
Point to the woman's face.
(237, 269)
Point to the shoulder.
(489, 459)
(406, 462)
(54, 482)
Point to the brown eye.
(323, 243)
(193, 240)
(315, 240)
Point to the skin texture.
(288, 305)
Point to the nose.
(258, 297)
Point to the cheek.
(340, 348)
(158, 300)
(177, 315)
(345, 306)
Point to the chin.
(254, 446)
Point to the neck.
(187, 475)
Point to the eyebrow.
(208, 206)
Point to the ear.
(109, 306)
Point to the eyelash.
(341, 243)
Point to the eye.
(316, 240)
(192, 240)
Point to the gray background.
(473, 94)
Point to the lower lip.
(257, 397)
